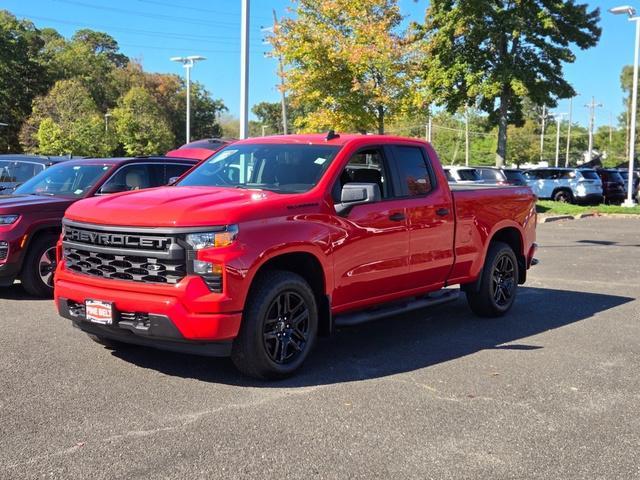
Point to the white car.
(463, 175)
(571, 185)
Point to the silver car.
(571, 185)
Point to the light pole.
(188, 63)
(631, 13)
(244, 70)
(106, 122)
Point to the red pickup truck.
(276, 240)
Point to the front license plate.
(99, 312)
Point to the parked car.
(200, 149)
(30, 218)
(462, 175)
(624, 173)
(612, 185)
(315, 232)
(17, 169)
(501, 176)
(570, 185)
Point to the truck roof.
(321, 139)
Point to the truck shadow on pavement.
(403, 343)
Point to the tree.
(22, 76)
(348, 63)
(270, 115)
(498, 52)
(140, 124)
(66, 121)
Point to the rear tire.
(279, 327)
(39, 267)
(563, 196)
(498, 283)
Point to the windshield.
(15, 171)
(64, 180)
(282, 168)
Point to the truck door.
(430, 215)
(371, 248)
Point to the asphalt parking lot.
(550, 391)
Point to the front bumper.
(172, 315)
(157, 331)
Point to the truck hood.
(26, 203)
(177, 207)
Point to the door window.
(366, 166)
(414, 175)
(131, 177)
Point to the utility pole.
(244, 71)
(566, 160)
(610, 129)
(558, 117)
(466, 136)
(106, 122)
(283, 95)
(429, 128)
(592, 115)
(543, 118)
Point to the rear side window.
(589, 174)
(490, 174)
(514, 175)
(469, 174)
(413, 172)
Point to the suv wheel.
(279, 326)
(498, 284)
(563, 196)
(39, 267)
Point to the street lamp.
(188, 63)
(107, 116)
(631, 13)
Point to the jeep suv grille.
(123, 255)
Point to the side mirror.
(113, 188)
(357, 194)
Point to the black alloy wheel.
(286, 327)
(503, 281)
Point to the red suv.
(30, 218)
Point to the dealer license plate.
(99, 312)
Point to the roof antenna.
(331, 134)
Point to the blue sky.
(154, 30)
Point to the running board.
(396, 308)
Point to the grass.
(550, 207)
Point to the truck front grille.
(120, 254)
(125, 267)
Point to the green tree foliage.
(270, 115)
(66, 121)
(498, 52)
(140, 124)
(22, 76)
(348, 63)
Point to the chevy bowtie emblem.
(154, 268)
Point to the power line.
(156, 16)
(197, 9)
(149, 33)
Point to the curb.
(555, 218)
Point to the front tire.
(279, 327)
(40, 266)
(498, 284)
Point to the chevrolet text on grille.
(116, 239)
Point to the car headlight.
(8, 219)
(202, 240)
